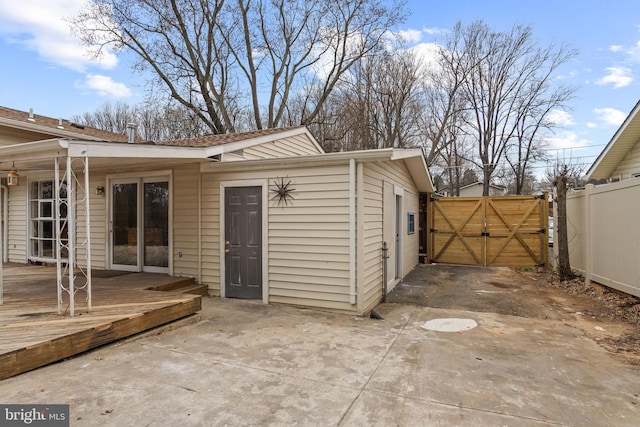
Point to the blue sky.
(44, 68)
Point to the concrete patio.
(245, 363)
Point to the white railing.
(603, 227)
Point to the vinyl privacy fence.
(603, 226)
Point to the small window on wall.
(42, 221)
(411, 222)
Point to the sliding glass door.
(140, 224)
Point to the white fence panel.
(603, 225)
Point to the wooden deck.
(32, 334)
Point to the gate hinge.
(539, 196)
(485, 234)
(543, 230)
(433, 230)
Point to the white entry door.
(139, 224)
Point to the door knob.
(227, 251)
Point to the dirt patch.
(615, 305)
(609, 317)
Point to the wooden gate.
(508, 231)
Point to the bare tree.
(155, 121)
(220, 58)
(506, 88)
(560, 175)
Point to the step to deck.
(186, 285)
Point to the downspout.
(199, 226)
(352, 231)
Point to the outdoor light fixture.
(13, 177)
(99, 191)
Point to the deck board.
(32, 334)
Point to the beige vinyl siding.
(631, 164)
(308, 240)
(185, 221)
(16, 136)
(17, 239)
(294, 146)
(210, 229)
(377, 176)
(98, 220)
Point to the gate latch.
(485, 234)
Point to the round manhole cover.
(450, 325)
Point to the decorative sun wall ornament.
(282, 191)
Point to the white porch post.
(77, 193)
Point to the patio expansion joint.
(374, 371)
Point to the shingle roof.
(57, 127)
(53, 128)
(213, 140)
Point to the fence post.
(587, 232)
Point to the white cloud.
(634, 51)
(615, 48)
(610, 116)
(105, 86)
(41, 26)
(434, 30)
(592, 125)
(427, 53)
(412, 36)
(618, 76)
(566, 140)
(561, 118)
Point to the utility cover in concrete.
(450, 325)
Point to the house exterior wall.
(186, 230)
(286, 147)
(9, 136)
(184, 195)
(630, 165)
(98, 219)
(307, 241)
(17, 238)
(382, 180)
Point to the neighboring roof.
(623, 141)
(54, 127)
(213, 140)
(473, 184)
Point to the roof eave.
(597, 170)
(47, 130)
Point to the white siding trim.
(264, 184)
(352, 229)
(360, 282)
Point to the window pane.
(125, 224)
(156, 224)
(47, 248)
(46, 189)
(46, 209)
